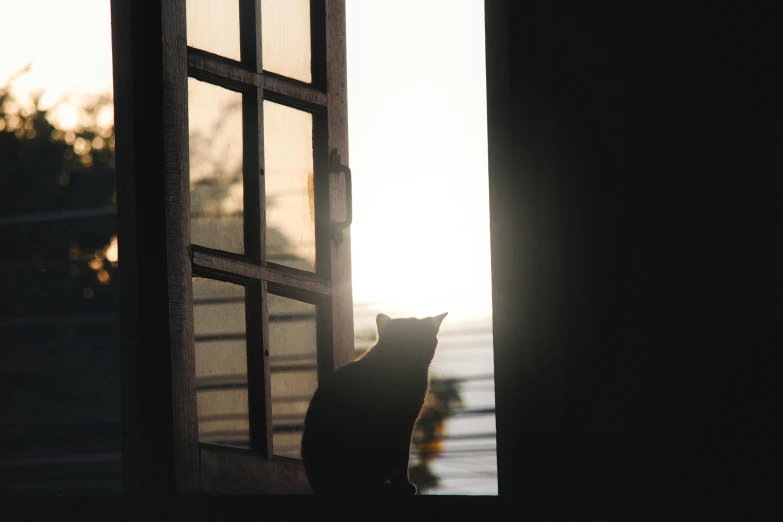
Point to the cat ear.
(382, 320)
(437, 320)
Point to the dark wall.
(633, 154)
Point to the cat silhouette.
(358, 427)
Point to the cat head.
(410, 337)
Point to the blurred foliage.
(53, 266)
(441, 401)
(58, 268)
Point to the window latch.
(336, 166)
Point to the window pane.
(285, 37)
(292, 353)
(221, 363)
(290, 211)
(213, 26)
(216, 192)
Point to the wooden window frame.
(152, 63)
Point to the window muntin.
(275, 235)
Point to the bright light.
(111, 250)
(67, 65)
(417, 123)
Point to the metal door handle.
(335, 165)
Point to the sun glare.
(420, 236)
(66, 66)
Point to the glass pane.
(292, 354)
(213, 26)
(285, 38)
(216, 192)
(221, 363)
(290, 210)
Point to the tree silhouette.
(59, 185)
(59, 367)
(57, 223)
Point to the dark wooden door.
(233, 214)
